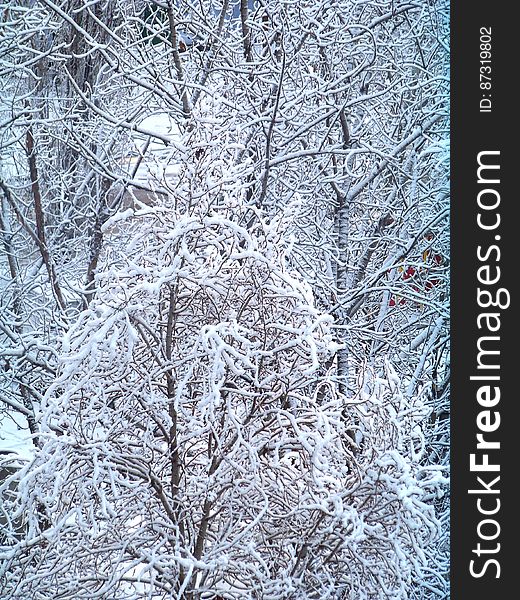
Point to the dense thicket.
(223, 290)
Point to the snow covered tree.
(192, 448)
(193, 444)
(224, 324)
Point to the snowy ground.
(14, 436)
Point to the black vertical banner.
(484, 250)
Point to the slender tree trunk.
(175, 458)
(341, 285)
(246, 30)
(40, 219)
(174, 39)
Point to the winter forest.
(224, 299)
